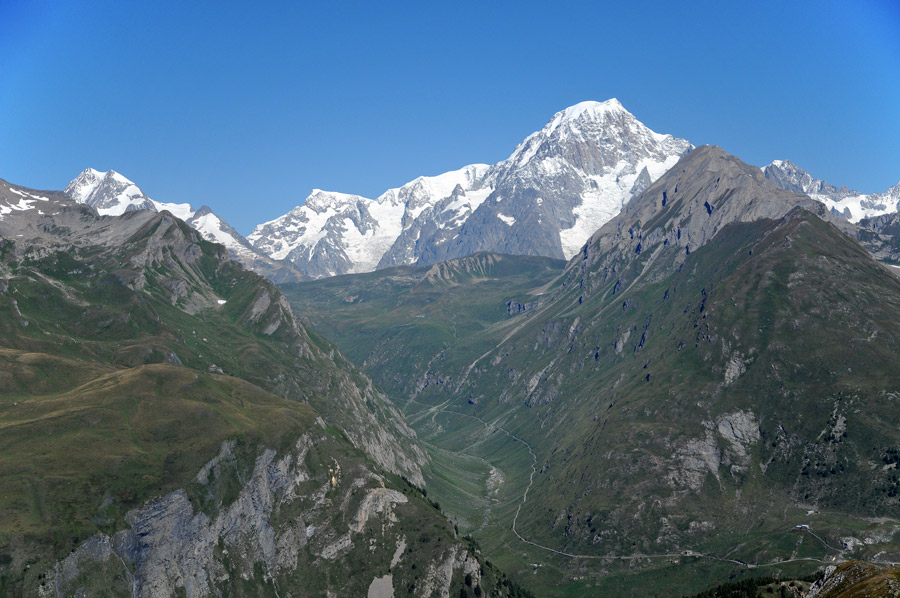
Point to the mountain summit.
(565, 181)
(557, 187)
(846, 203)
(686, 208)
(112, 194)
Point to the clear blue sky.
(248, 106)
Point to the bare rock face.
(705, 192)
(726, 443)
(296, 516)
(880, 235)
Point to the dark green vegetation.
(710, 373)
(760, 587)
(138, 363)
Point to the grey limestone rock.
(287, 518)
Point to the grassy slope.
(92, 411)
(417, 319)
(77, 460)
(781, 307)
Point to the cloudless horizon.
(248, 108)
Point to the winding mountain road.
(434, 410)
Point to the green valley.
(714, 370)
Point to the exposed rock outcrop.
(296, 515)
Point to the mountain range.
(111, 194)
(709, 374)
(621, 364)
(558, 186)
(846, 203)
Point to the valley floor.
(464, 481)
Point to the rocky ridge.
(709, 190)
(112, 194)
(857, 579)
(843, 202)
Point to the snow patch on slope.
(26, 201)
(184, 211)
(509, 220)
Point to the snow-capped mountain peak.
(319, 199)
(589, 110)
(110, 193)
(113, 194)
(844, 202)
(607, 129)
(592, 158)
(442, 185)
(557, 187)
(337, 233)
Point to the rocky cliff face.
(315, 517)
(881, 236)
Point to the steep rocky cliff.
(311, 520)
